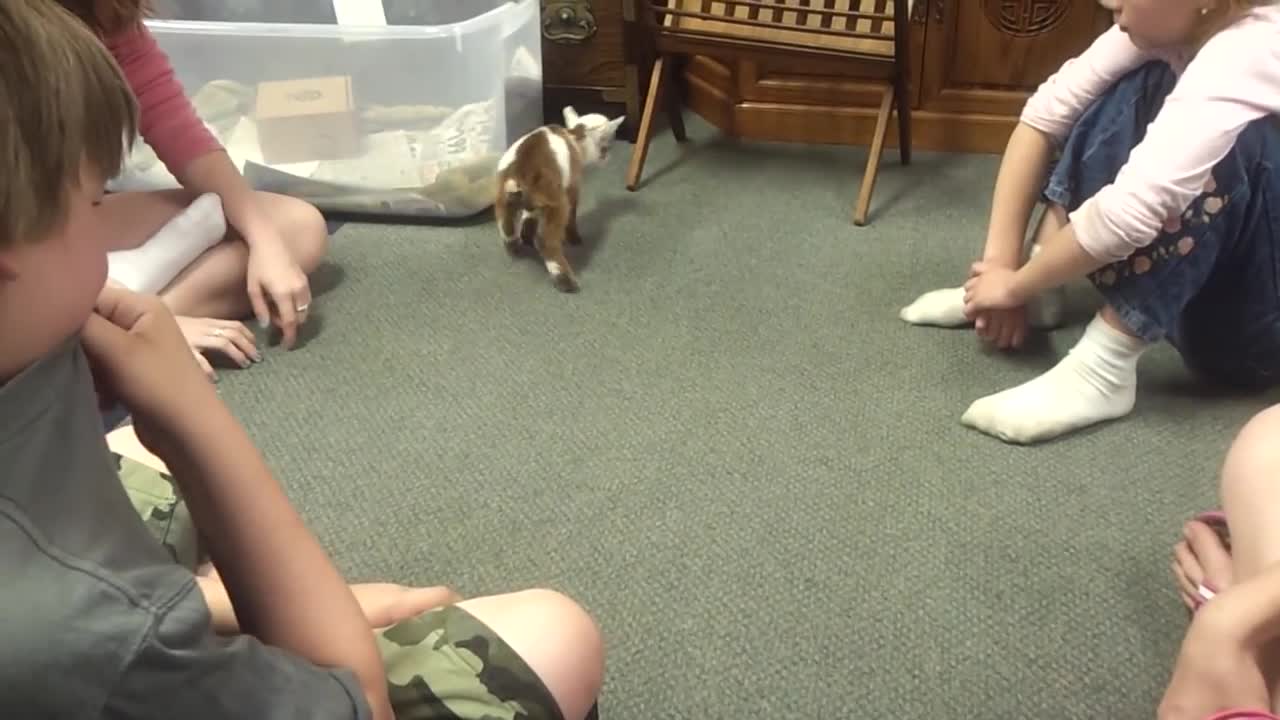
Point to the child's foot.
(945, 308)
(150, 267)
(1097, 381)
(1201, 564)
(938, 308)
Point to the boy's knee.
(577, 631)
(1254, 457)
(564, 613)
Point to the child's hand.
(141, 359)
(277, 282)
(991, 287)
(386, 604)
(1217, 668)
(1005, 329)
(225, 337)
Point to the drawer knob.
(568, 23)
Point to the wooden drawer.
(589, 58)
(583, 43)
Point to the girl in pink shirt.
(258, 263)
(1163, 195)
(1168, 152)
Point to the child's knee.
(1253, 462)
(572, 621)
(307, 235)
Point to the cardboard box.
(310, 119)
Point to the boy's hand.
(386, 604)
(141, 359)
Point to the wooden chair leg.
(873, 158)
(675, 116)
(645, 134)
(904, 121)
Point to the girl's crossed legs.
(212, 294)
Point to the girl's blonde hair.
(108, 17)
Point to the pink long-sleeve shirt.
(167, 121)
(1233, 80)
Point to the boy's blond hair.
(63, 103)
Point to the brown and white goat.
(539, 181)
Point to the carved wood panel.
(987, 56)
(1025, 18)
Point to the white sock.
(1096, 381)
(150, 267)
(945, 308)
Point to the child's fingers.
(104, 341)
(244, 337)
(122, 307)
(288, 316)
(258, 301)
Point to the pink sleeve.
(167, 120)
(1060, 100)
(1234, 80)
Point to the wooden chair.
(870, 37)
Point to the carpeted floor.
(731, 451)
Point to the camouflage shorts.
(442, 665)
(158, 503)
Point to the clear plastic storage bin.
(406, 118)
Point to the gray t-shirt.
(95, 619)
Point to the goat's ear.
(570, 116)
(612, 128)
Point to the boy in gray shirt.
(98, 621)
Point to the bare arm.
(1022, 171)
(215, 173)
(282, 585)
(1255, 615)
(1061, 259)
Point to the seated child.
(216, 251)
(1161, 196)
(106, 623)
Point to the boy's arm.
(284, 589)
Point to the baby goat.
(539, 179)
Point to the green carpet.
(732, 452)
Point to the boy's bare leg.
(557, 639)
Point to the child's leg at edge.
(215, 285)
(1250, 492)
(539, 647)
(535, 649)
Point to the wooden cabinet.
(986, 57)
(589, 58)
(973, 63)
